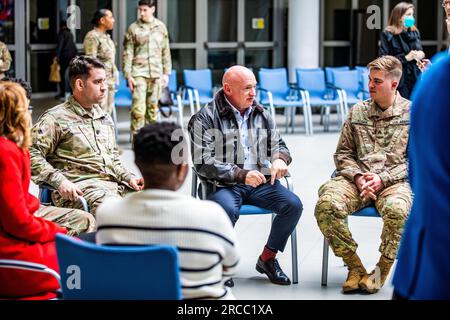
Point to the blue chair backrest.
(275, 81)
(329, 72)
(93, 272)
(347, 80)
(173, 86)
(123, 96)
(200, 80)
(312, 80)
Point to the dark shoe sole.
(261, 270)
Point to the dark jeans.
(277, 198)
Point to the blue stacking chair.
(201, 187)
(99, 272)
(349, 84)
(318, 93)
(178, 106)
(363, 73)
(122, 99)
(276, 92)
(199, 83)
(329, 72)
(369, 211)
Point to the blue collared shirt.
(250, 159)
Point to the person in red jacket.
(22, 235)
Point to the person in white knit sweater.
(201, 230)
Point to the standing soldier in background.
(146, 64)
(371, 165)
(98, 44)
(5, 60)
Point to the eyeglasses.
(445, 3)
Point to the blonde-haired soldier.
(371, 170)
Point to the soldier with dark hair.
(74, 147)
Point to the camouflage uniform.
(100, 45)
(146, 58)
(372, 140)
(74, 220)
(72, 143)
(5, 60)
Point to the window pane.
(337, 56)
(88, 8)
(259, 16)
(43, 21)
(181, 20)
(256, 59)
(426, 13)
(337, 20)
(182, 59)
(7, 21)
(218, 61)
(40, 71)
(222, 20)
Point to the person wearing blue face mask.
(401, 39)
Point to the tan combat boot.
(356, 272)
(375, 280)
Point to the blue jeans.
(277, 198)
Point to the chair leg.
(294, 256)
(326, 249)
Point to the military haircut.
(390, 65)
(153, 144)
(148, 3)
(80, 68)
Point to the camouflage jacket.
(5, 59)
(100, 45)
(373, 140)
(72, 143)
(146, 50)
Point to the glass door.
(239, 32)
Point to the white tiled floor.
(312, 166)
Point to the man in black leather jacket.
(236, 146)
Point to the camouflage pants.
(75, 221)
(108, 104)
(95, 192)
(146, 95)
(338, 198)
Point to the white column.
(304, 35)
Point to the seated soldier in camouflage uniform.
(371, 169)
(5, 60)
(74, 147)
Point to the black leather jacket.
(216, 146)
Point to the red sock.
(268, 254)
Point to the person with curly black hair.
(160, 215)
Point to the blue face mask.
(409, 21)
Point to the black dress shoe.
(229, 283)
(273, 270)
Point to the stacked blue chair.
(178, 106)
(122, 99)
(99, 272)
(199, 83)
(276, 92)
(349, 84)
(318, 93)
(329, 72)
(363, 81)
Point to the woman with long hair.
(401, 39)
(22, 235)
